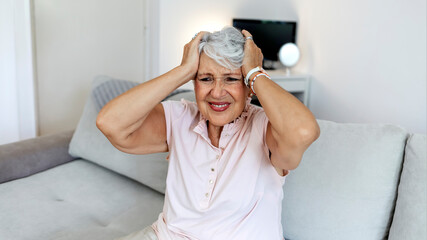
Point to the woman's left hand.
(253, 55)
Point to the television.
(269, 36)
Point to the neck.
(214, 133)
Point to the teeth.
(223, 105)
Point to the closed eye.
(205, 79)
(233, 79)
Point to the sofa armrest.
(27, 157)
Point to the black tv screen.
(269, 35)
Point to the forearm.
(125, 113)
(290, 119)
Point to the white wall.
(77, 40)
(367, 58)
(17, 100)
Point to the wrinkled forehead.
(208, 66)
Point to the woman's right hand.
(190, 58)
(134, 122)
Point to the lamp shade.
(289, 54)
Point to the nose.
(218, 90)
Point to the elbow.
(291, 150)
(101, 119)
(109, 134)
(103, 125)
(100, 123)
(292, 165)
(309, 134)
(288, 160)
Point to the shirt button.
(212, 169)
(210, 181)
(206, 194)
(217, 156)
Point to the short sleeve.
(173, 110)
(260, 123)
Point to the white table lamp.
(289, 56)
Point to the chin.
(218, 122)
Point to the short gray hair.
(225, 47)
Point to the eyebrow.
(226, 74)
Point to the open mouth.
(219, 106)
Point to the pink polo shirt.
(226, 192)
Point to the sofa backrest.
(90, 143)
(345, 186)
(410, 218)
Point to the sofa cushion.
(90, 143)
(76, 200)
(409, 221)
(345, 186)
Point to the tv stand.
(268, 68)
(269, 65)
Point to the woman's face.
(220, 92)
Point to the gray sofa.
(357, 181)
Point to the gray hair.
(225, 47)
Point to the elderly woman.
(227, 158)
